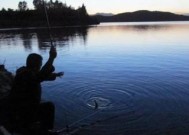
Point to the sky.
(115, 6)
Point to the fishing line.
(78, 121)
(96, 104)
(4, 61)
(70, 132)
(51, 40)
(52, 45)
(93, 123)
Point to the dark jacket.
(26, 90)
(25, 96)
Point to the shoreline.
(53, 27)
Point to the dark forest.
(59, 14)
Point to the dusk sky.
(116, 6)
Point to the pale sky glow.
(116, 6)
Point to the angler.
(25, 106)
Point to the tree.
(82, 10)
(55, 5)
(3, 10)
(22, 6)
(10, 10)
(38, 4)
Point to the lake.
(120, 78)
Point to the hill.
(143, 15)
(187, 14)
(104, 14)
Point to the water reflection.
(141, 27)
(27, 37)
(63, 36)
(27, 40)
(150, 27)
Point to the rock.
(3, 131)
(6, 80)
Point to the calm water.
(136, 74)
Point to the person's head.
(34, 61)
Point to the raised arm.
(46, 73)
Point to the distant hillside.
(104, 14)
(187, 14)
(143, 15)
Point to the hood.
(21, 69)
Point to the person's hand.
(53, 52)
(59, 74)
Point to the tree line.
(59, 14)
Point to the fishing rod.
(48, 23)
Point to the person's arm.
(53, 76)
(47, 70)
(48, 67)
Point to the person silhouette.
(25, 96)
